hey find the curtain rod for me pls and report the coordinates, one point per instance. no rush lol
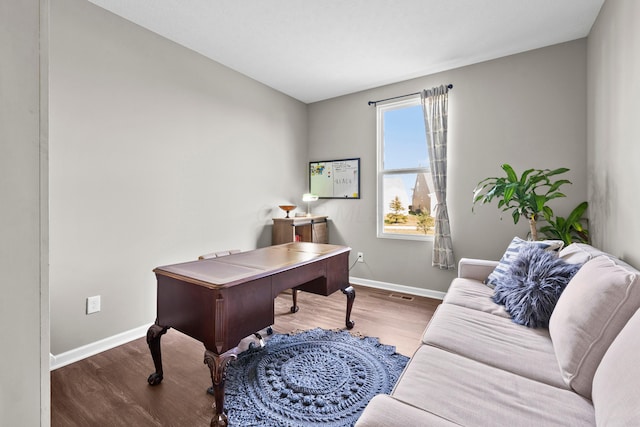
(449, 86)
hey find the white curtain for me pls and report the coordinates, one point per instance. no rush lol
(434, 105)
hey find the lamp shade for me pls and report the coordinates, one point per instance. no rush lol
(309, 197)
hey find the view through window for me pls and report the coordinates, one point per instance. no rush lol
(405, 188)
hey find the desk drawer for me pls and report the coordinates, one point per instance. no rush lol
(299, 275)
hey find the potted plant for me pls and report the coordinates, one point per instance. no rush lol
(525, 196)
(568, 230)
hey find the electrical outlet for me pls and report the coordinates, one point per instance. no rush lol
(93, 304)
(360, 257)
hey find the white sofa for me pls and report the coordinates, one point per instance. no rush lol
(476, 367)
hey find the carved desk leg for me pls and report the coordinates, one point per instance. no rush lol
(218, 366)
(351, 296)
(153, 340)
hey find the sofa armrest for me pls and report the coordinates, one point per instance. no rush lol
(477, 269)
(385, 411)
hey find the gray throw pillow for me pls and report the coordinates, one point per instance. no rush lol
(533, 283)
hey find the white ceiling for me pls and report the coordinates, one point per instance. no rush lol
(319, 49)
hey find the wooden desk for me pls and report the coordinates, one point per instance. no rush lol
(220, 301)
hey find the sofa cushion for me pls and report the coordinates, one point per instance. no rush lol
(590, 313)
(534, 281)
(616, 396)
(500, 272)
(468, 392)
(579, 253)
(473, 294)
(384, 410)
(495, 341)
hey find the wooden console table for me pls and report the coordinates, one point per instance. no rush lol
(301, 228)
(220, 301)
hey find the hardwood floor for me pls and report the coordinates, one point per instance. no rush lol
(110, 388)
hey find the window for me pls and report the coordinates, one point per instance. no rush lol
(405, 186)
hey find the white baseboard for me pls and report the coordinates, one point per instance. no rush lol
(398, 288)
(71, 356)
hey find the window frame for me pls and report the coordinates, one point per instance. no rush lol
(381, 108)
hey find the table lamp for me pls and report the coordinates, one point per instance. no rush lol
(309, 197)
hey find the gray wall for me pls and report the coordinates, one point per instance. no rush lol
(614, 129)
(497, 120)
(158, 155)
(24, 371)
(528, 110)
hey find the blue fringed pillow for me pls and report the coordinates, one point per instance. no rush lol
(533, 283)
(500, 272)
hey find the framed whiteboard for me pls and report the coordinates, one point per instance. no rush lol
(335, 179)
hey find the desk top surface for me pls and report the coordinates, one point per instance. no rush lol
(236, 268)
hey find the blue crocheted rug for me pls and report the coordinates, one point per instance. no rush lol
(312, 378)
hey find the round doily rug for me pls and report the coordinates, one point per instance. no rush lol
(312, 378)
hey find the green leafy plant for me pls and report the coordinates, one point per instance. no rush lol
(570, 229)
(525, 196)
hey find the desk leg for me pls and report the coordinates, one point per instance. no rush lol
(351, 296)
(154, 334)
(218, 366)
